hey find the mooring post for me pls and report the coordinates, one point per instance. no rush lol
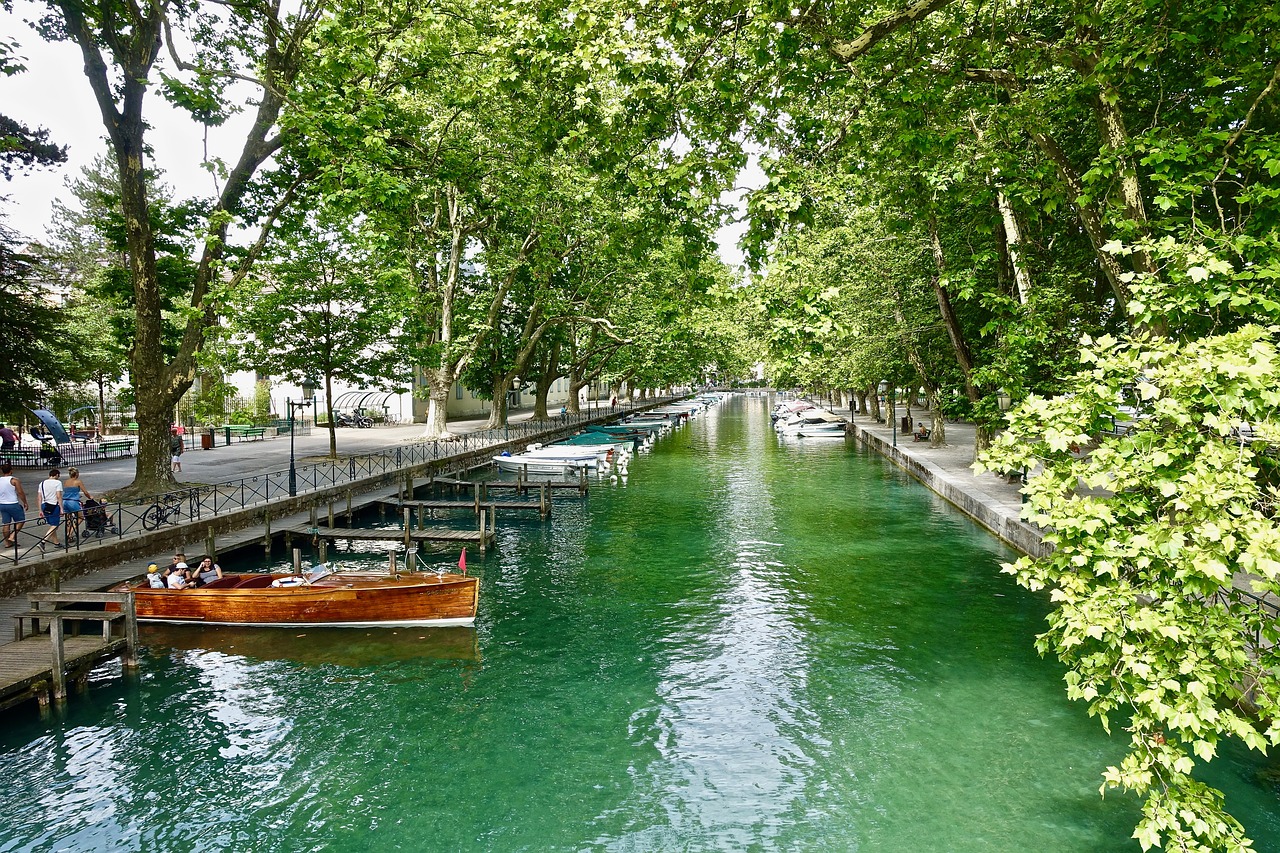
(391, 563)
(324, 550)
(348, 507)
(582, 481)
(297, 561)
(478, 510)
(481, 517)
(130, 633)
(330, 515)
(544, 505)
(408, 530)
(59, 660)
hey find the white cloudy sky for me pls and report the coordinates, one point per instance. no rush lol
(54, 94)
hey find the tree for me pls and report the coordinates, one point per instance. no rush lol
(328, 312)
(257, 45)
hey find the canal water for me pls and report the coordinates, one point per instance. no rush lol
(749, 645)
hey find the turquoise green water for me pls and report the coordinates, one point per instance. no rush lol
(748, 646)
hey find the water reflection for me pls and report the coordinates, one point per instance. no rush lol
(348, 647)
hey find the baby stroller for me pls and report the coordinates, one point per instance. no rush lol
(96, 521)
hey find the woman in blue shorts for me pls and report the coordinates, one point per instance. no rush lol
(73, 492)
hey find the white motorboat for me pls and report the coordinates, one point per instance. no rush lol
(523, 463)
(813, 422)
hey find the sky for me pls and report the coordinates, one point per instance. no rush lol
(54, 94)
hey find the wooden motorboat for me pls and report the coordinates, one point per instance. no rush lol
(354, 600)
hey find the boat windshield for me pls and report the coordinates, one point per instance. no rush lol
(318, 572)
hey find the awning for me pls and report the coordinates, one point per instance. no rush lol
(361, 400)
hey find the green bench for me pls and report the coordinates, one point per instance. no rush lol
(245, 432)
(114, 446)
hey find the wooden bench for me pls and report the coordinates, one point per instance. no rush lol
(29, 457)
(246, 433)
(117, 446)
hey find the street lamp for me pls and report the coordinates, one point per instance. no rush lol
(294, 405)
(1004, 400)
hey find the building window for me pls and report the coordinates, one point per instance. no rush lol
(457, 387)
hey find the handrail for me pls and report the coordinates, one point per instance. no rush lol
(121, 520)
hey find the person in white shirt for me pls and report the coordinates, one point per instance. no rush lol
(178, 578)
(154, 577)
(51, 506)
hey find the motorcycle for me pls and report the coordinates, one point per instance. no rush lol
(353, 419)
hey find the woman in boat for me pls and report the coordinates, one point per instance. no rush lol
(208, 571)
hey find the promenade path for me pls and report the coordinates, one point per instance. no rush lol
(222, 464)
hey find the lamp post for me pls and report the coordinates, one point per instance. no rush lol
(294, 405)
(1004, 400)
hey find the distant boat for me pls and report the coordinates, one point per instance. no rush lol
(813, 423)
(525, 463)
(319, 598)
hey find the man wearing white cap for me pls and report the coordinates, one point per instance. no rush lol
(178, 577)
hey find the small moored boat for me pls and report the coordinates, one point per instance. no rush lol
(318, 598)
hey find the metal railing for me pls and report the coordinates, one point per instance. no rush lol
(98, 523)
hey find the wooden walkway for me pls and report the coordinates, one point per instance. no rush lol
(407, 536)
(519, 486)
(40, 665)
(476, 507)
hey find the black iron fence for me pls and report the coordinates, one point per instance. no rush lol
(97, 523)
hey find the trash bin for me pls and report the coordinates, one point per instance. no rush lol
(206, 439)
(906, 423)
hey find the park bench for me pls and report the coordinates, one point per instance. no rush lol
(24, 456)
(245, 433)
(109, 447)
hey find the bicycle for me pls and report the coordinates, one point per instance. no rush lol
(160, 512)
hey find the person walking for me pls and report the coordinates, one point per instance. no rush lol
(13, 504)
(51, 506)
(175, 451)
(73, 492)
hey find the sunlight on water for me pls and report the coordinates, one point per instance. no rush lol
(750, 644)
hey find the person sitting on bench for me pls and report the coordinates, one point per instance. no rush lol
(921, 433)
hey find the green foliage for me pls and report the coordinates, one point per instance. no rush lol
(1158, 534)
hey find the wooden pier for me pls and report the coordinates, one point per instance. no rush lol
(519, 486)
(483, 537)
(38, 666)
(476, 506)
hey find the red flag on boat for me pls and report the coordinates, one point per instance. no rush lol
(462, 561)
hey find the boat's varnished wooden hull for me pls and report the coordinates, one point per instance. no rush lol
(353, 601)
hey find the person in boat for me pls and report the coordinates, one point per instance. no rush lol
(178, 577)
(208, 571)
(179, 557)
(154, 579)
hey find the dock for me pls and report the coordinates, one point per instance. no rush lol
(474, 506)
(520, 486)
(39, 666)
(483, 537)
